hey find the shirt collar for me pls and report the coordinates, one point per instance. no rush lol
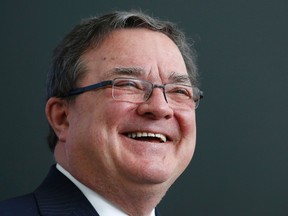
(100, 204)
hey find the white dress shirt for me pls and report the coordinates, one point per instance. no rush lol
(101, 205)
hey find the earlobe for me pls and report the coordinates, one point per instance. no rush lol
(56, 113)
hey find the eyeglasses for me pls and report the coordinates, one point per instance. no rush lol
(138, 91)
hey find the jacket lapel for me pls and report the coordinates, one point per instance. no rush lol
(57, 195)
(157, 213)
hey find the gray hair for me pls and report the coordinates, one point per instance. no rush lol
(67, 68)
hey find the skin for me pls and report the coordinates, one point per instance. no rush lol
(93, 145)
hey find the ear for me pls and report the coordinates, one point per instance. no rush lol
(56, 113)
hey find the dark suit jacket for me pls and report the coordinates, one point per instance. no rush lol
(57, 195)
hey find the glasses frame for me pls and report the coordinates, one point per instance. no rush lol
(106, 83)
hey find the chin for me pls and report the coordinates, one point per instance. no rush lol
(154, 174)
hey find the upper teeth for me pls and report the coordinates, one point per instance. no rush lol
(147, 134)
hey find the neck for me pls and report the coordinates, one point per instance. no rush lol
(134, 200)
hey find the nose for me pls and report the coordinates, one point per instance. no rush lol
(156, 107)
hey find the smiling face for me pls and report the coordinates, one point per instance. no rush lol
(126, 143)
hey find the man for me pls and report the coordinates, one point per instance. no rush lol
(121, 98)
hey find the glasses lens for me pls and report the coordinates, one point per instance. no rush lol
(138, 91)
(179, 95)
(131, 90)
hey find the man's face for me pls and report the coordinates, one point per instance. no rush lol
(98, 146)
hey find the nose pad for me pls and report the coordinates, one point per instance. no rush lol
(157, 86)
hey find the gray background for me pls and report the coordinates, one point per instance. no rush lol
(241, 161)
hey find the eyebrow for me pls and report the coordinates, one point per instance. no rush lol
(138, 71)
(130, 71)
(180, 78)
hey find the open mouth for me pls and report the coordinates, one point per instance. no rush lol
(148, 136)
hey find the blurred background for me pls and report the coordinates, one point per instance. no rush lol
(240, 166)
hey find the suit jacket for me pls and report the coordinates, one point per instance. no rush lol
(57, 195)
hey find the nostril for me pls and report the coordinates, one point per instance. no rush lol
(155, 111)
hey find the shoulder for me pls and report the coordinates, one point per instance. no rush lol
(23, 205)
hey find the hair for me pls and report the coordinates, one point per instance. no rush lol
(67, 68)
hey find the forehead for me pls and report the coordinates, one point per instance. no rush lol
(152, 53)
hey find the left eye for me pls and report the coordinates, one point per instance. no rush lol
(127, 84)
(179, 91)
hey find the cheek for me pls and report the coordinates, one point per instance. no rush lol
(187, 123)
(102, 126)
